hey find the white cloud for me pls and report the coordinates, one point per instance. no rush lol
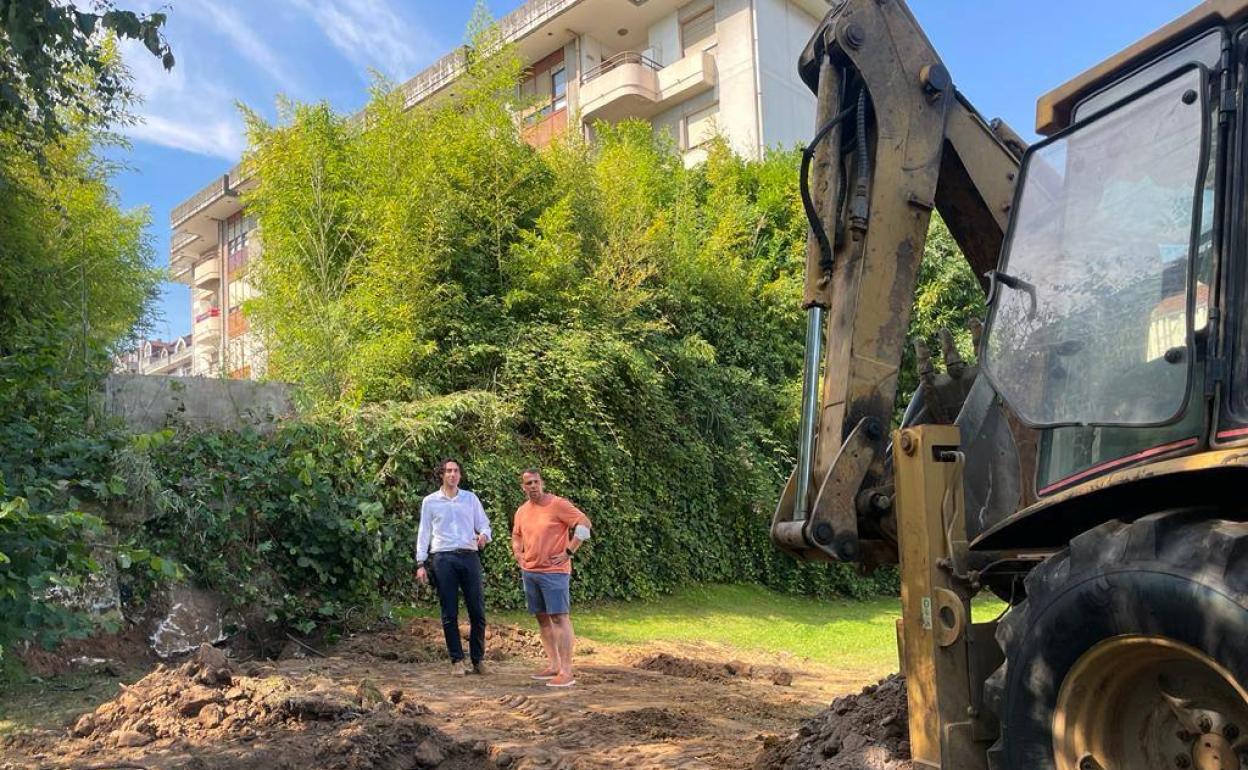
(243, 39)
(180, 110)
(371, 34)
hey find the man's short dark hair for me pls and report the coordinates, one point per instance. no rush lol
(533, 470)
(441, 467)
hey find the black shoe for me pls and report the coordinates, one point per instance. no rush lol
(479, 667)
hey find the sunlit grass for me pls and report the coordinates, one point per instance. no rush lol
(855, 636)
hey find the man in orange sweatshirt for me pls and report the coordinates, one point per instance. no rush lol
(546, 531)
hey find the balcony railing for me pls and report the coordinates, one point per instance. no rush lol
(432, 79)
(212, 312)
(223, 186)
(207, 272)
(620, 59)
(181, 241)
(530, 16)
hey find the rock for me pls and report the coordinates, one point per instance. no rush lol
(131, 738)
(211, 715)
(84, 726)
(831, 747)
(737, 668)
(211, 657)
(195, 617)
(194, 700)
(394, 695)
(782, 678)
(429, 754)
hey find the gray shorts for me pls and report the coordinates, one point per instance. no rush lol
(547, 593)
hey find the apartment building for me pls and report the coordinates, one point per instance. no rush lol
(693, 68)
(158, 357)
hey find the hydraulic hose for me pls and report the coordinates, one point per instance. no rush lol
(803, 181)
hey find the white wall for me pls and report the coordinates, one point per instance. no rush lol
(788, 106)
(665, 39)
(669, 121)
(737, 88)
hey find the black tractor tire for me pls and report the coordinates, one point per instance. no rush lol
(1180, 575)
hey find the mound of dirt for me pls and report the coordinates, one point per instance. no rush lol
(709, 671)
(867, 731)
(651, 722)
(421, 641)
(209, 703)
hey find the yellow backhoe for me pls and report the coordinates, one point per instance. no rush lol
(1091, 468)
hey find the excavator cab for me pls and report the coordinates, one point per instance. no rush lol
(1102, 296)
(1088, 468)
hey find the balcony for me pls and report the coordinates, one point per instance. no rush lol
(631, 85)
(208, 274)
(207, 325)
(195, 220)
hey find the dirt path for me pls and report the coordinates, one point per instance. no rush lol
(387, 700)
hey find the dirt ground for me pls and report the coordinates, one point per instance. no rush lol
(386, 700)
(866, 731)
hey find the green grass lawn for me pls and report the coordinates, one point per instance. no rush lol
(840, 633)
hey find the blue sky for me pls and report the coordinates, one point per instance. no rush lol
(1002, 54)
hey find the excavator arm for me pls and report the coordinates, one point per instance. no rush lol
(894, 141)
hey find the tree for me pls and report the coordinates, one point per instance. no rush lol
(56, 71)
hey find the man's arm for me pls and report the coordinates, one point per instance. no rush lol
(580, 525)
(517, 540)
(424, 534)
(481, 523)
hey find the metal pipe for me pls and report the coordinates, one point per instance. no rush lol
(810, 407)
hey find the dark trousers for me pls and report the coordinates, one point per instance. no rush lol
(455, 570)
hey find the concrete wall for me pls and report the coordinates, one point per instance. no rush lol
(737, 88)
(148, 403)
(788, 106)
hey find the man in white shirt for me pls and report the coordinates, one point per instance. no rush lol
(453, 530)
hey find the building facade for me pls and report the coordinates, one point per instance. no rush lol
(174, 358)
(693, 68)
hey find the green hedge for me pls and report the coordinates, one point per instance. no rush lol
(316, 523)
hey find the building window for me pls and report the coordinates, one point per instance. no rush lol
(236, 229)
(697, 27)
(700, 126)
(559, 88)
(545, 88)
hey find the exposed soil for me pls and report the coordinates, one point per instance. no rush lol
(867, 731)
(125, 650)
(710, 671)
(387, 700)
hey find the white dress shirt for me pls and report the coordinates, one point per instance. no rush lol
(450, 523)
